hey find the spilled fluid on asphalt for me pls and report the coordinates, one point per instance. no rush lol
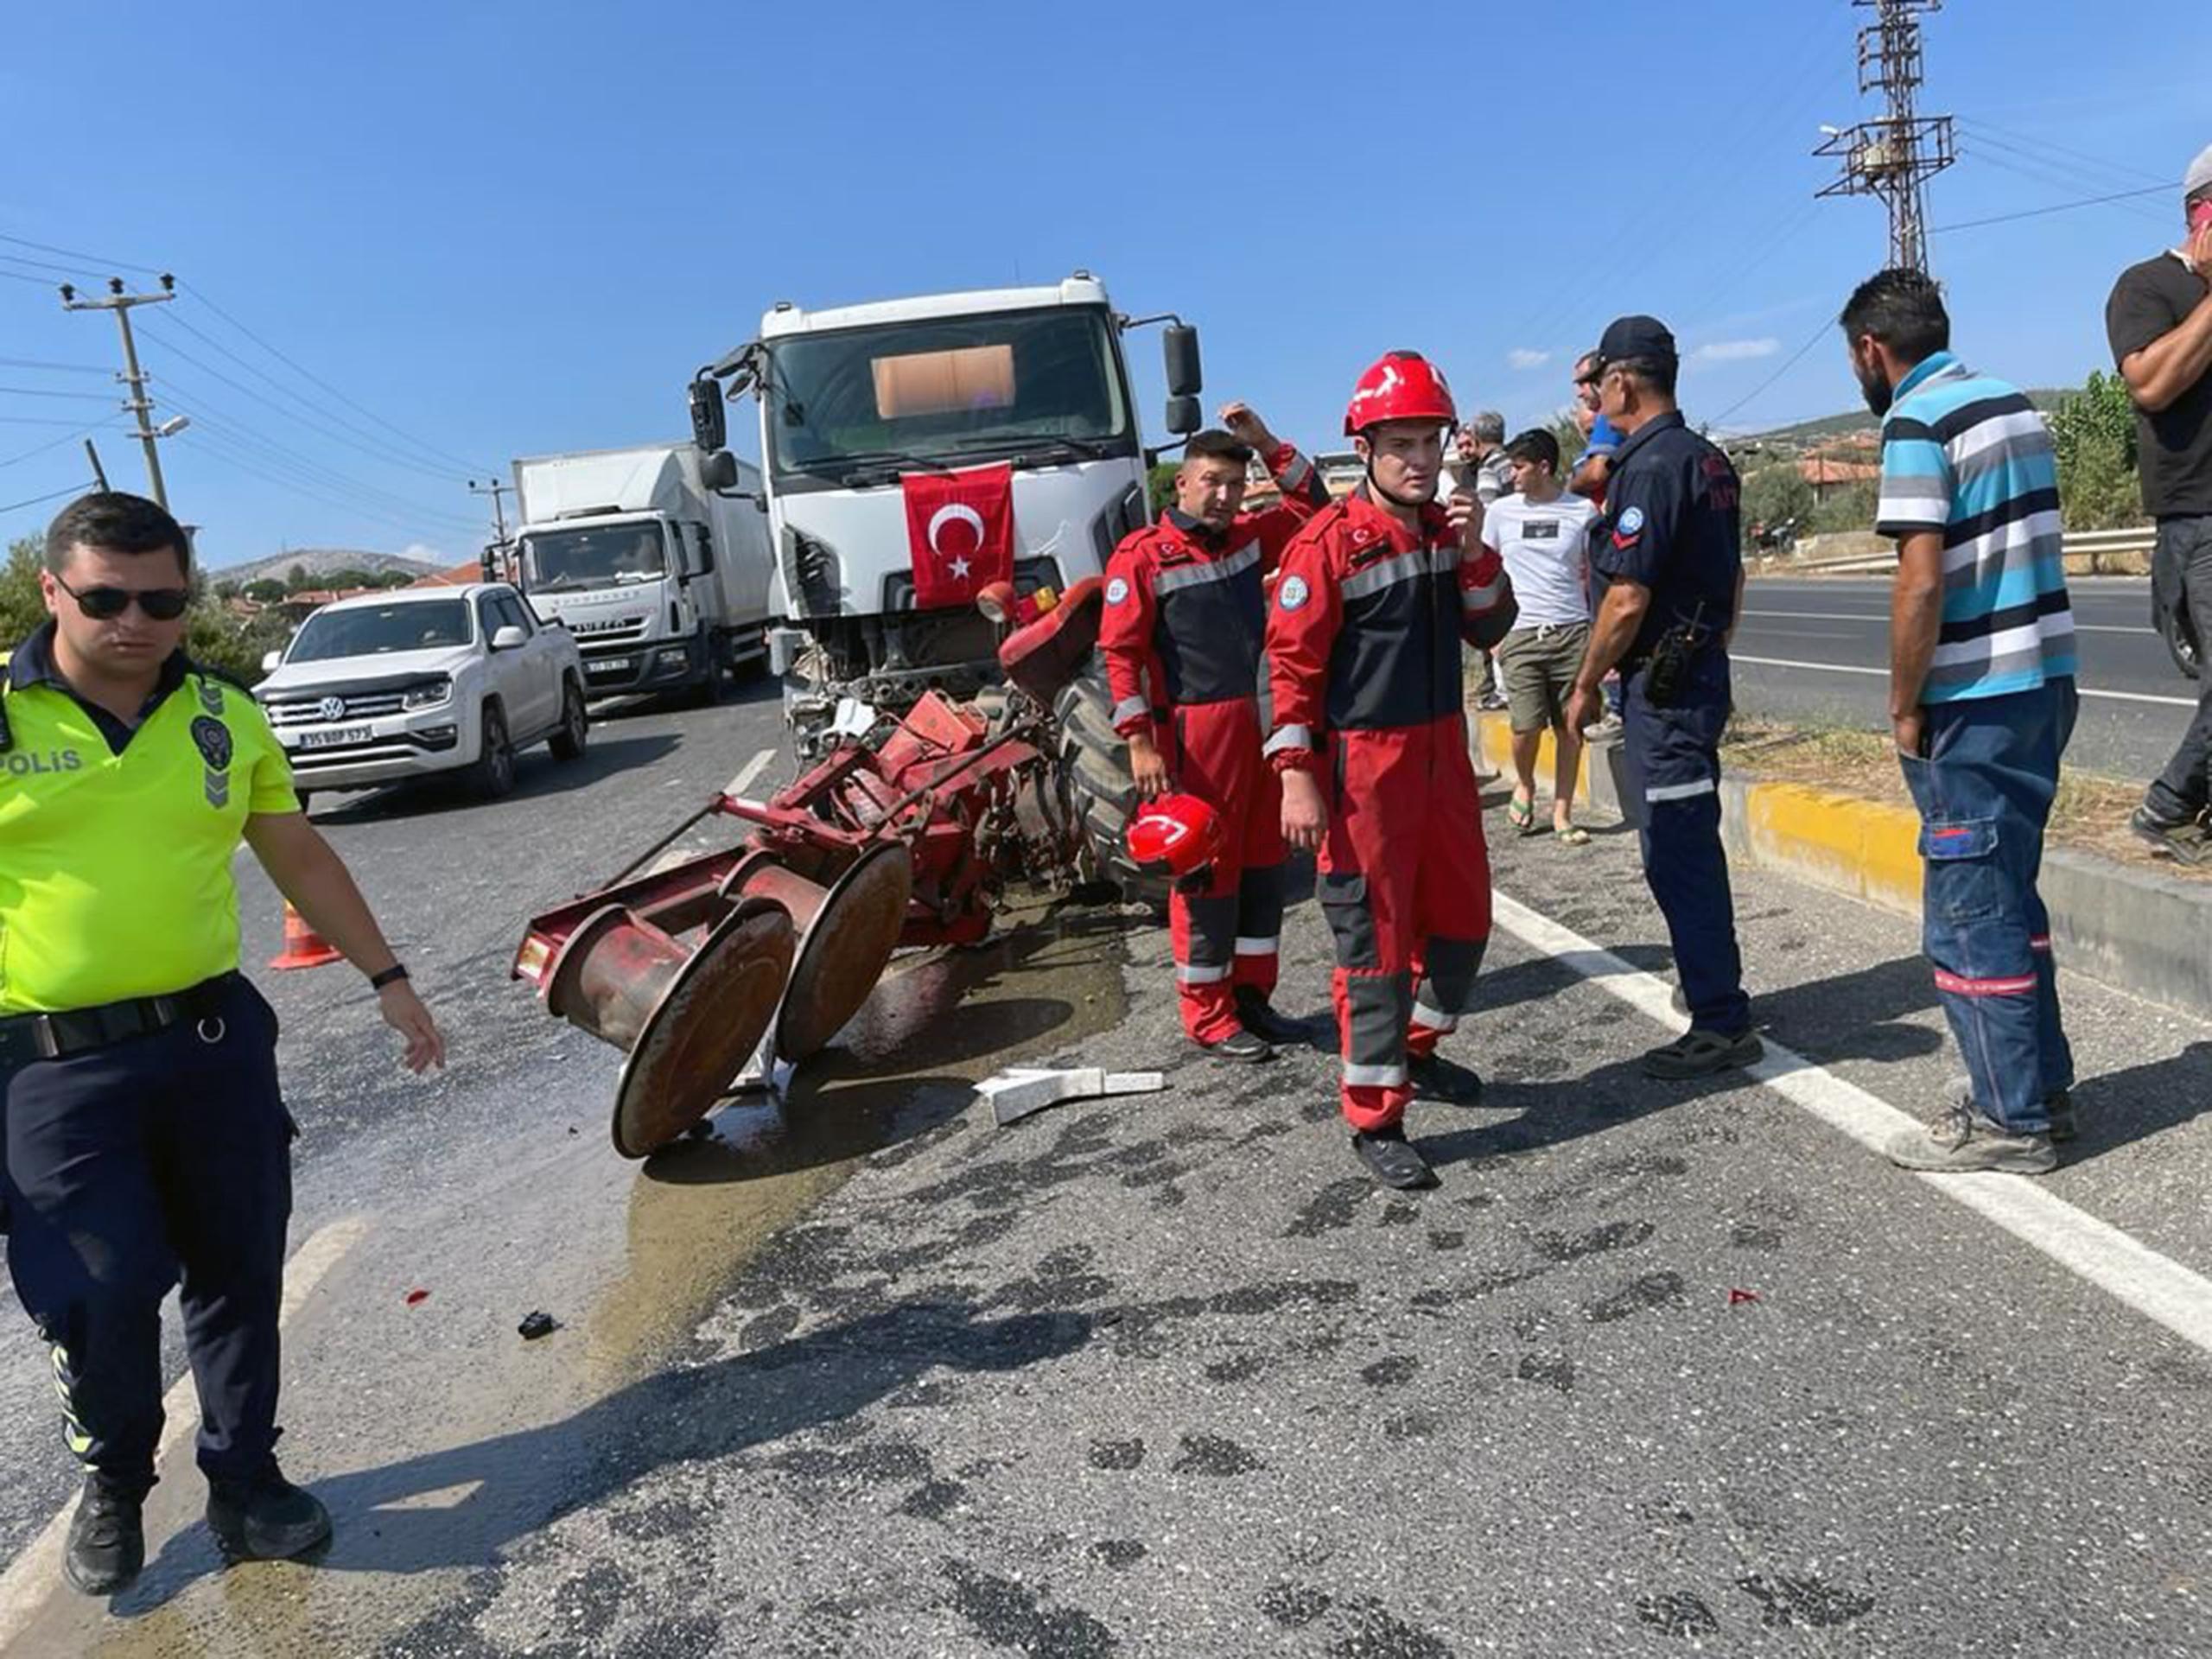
(496, 1460)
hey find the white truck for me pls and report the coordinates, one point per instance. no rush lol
(856, 399)
(662, 580)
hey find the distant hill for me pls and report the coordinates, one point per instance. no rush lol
(1805, 433)
(321, 561)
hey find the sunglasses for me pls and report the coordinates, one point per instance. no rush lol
(104, 604)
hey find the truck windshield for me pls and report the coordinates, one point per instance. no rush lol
(945, 389)
(377, 630)
(598, 556)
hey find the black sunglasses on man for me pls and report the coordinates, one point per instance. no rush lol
(104, 604)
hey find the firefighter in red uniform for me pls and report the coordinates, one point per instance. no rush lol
(1185, 618)
(1375, 597)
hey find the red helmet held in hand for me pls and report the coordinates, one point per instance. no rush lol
(1400, 386)
(1176, 835)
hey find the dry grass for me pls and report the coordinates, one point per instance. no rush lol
(2090, 815)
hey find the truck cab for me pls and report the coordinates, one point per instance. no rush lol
(856, 399)
(663, 584)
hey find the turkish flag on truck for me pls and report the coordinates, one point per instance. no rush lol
(960, 532)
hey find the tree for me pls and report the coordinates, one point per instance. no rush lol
(1160, 484)
(1571, 441)
(2094, 431)
(265, 590)
(295, 578)
(1776, 495)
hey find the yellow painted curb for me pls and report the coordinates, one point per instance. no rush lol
(1868, 847)
(1494, 740)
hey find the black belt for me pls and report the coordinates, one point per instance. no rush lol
(72, 1031)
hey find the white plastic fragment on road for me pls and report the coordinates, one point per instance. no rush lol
(1019, 1090)
(2153, 1285)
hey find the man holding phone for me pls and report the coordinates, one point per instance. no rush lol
(2159, 319)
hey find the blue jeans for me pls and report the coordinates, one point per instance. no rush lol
(1984, 791)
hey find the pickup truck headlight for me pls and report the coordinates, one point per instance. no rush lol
(429, 694)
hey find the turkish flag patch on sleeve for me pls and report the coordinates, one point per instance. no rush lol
(960, 532)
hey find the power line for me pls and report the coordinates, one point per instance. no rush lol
(2125, 168)
(58, 368)
(39, 392)
(2041, 172)
(365, 440)
(82, 432)
(269, 453)
(335, 435)
(67, 489)
(2055, 207)
(1795, 357)
(72, 253)
(415, 525)
(469, 466)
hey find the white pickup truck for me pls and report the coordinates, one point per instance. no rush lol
(422, 681)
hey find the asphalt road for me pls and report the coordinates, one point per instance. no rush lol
(1818, 650)
(1656, 1370)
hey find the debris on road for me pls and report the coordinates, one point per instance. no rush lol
(1019, 1090)
(417, 1298)
(535, 1323)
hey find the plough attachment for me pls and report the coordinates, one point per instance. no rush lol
(905, 836)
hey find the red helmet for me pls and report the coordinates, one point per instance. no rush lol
(1400, 386)
(1176, 835)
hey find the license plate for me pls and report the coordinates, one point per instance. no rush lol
(612, 665)
(336, 737)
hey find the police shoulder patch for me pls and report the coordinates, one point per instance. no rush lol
(1118, 590)
(1294, 593)
(212, 738)
(1632, 522)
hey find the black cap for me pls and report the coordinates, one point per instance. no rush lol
(1645, 337)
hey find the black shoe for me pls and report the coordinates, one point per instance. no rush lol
(2185, 842)
(1258, 1016)
(1699, 1053)
(1242, 1046)
(267, 1519)
(1435, 1078)
(2065, 1125)
(1395, 1160)
(107, 1539)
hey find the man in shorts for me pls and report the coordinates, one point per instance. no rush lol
(1543, 533)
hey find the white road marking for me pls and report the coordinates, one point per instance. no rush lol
(2153, 1285)
(1852, 668)
(32, 1577)
(745, 773)
(1881, 618)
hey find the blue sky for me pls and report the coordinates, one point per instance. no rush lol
(495, 230)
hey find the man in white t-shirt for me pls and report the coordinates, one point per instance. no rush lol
(1543, 535)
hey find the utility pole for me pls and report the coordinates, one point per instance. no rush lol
(495, 489)
(99, 473)
(139, 404)
(1895, 155)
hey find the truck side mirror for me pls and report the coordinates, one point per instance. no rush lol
(1178, 344)
(709, 428)
(719, 470)
(1184, 416)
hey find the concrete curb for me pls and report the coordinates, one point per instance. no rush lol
(2137, 930)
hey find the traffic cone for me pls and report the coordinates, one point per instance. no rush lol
(304, 946)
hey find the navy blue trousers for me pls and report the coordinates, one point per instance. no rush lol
(1673, 760)
(158, 1161)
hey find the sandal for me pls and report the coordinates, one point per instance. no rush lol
(1521, 814)
(1571, 835)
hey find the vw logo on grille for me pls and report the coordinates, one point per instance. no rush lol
(332, 709)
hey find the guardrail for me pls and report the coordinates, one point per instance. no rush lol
(2097, 546)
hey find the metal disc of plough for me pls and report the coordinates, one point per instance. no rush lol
(687, 1019)
(847, 931)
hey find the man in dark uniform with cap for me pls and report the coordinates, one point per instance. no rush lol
(1670, 558)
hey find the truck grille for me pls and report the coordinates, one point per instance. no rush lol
(313, 711)
(608, 630)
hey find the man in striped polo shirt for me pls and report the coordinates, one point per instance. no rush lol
(1981, 704)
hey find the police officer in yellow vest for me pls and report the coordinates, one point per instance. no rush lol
(146, 1145)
